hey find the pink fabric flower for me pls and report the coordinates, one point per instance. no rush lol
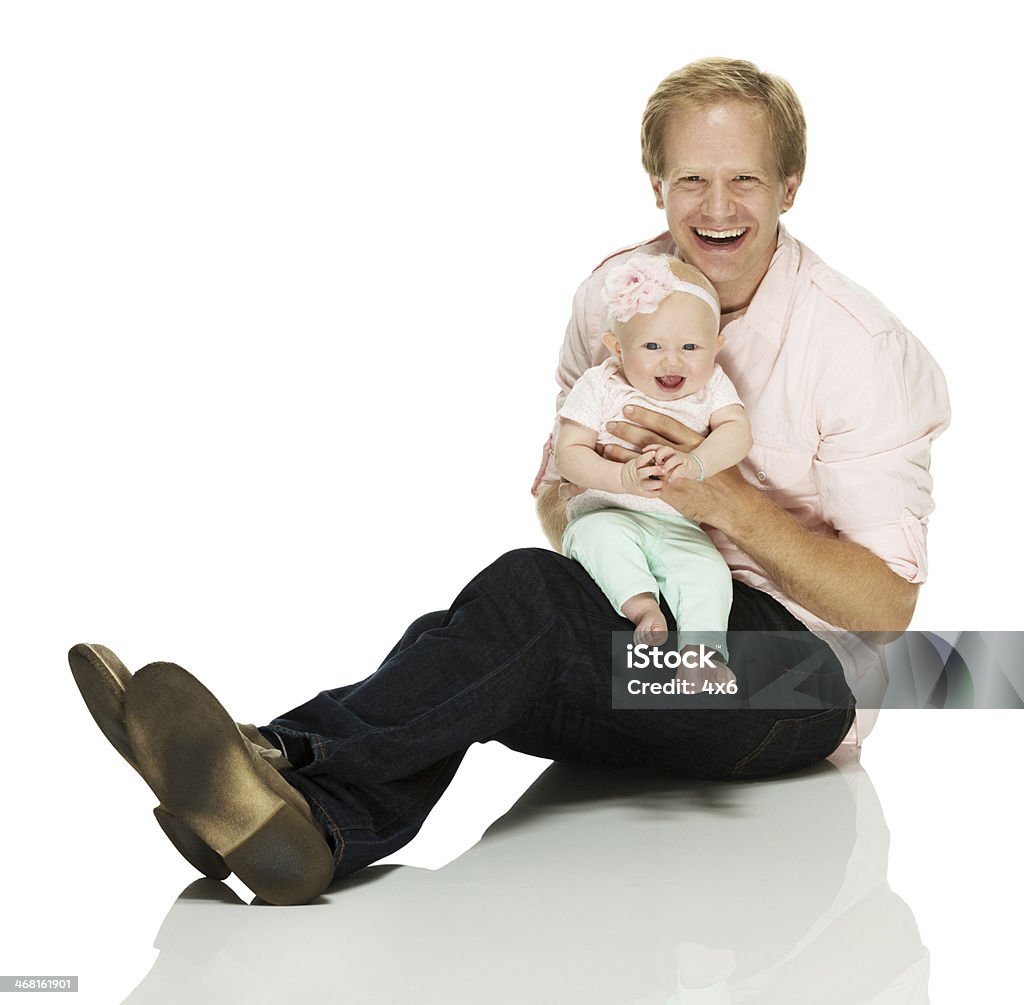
(637, 287)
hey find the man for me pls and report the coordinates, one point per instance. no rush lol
(724, 146)
(823, 528)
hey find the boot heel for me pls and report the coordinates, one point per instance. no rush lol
(284, 861)
(216, 790)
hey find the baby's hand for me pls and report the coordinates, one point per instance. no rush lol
(640, 476)
(674, 464)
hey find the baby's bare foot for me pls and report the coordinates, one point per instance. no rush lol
(644, 612)
(705, 669)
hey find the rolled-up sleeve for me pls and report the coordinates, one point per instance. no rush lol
(878, 411)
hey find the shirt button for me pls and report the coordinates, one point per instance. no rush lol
(761, 476)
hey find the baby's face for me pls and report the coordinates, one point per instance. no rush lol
(671, 353)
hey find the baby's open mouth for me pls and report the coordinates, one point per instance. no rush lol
(670, 383)
(719, 237)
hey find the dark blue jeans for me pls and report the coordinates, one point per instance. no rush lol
(523, 657)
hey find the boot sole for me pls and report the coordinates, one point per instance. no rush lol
(189, 751)
(103, 679)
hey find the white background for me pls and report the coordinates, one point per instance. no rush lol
(283, 287)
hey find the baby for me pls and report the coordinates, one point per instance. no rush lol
(664, 318)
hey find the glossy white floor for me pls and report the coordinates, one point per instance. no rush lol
(891, 880)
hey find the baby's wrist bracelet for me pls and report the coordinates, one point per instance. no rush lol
(700, 464)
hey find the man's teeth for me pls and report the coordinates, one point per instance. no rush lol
(721, 234)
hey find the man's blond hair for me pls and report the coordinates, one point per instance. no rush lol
(713, 81)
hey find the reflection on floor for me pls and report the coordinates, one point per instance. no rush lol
(595, 887)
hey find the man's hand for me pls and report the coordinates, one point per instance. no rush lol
(714, 502)
(696, 678)
(647, 427)
(567, 491)
(551, 511)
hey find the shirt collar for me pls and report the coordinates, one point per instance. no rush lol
(771, 304)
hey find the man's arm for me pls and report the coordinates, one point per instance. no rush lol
(551, 512)
(575, 358)
(840, 582)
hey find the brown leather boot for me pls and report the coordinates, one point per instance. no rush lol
(102, 678)
(209, 777)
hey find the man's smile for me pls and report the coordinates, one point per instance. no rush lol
(717, 238)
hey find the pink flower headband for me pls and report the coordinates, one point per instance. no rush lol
(639, 286)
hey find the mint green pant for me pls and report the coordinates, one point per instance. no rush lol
(627, 553)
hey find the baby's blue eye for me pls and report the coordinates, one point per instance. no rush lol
(690, 345)
(651, 345)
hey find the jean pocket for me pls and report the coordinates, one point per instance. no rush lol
(796, 743)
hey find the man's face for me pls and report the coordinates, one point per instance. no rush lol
(723, 196)
(669, 354)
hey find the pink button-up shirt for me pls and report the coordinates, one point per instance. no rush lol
(844, 403)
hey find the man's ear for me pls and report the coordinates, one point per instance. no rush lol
(612, 344)
(656, 185)
(792, 183)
